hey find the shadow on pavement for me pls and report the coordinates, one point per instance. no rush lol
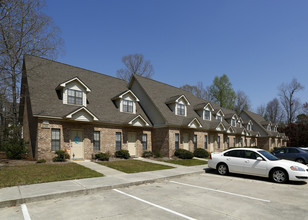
(243, 176)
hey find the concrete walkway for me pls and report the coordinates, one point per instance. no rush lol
(197, 158)
(99, 168)
(157, 162)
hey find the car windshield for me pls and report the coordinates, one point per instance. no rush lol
(268, 155)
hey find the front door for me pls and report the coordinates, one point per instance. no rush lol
(211, 143)
(131, 142)
(185, 141)
(77, 150)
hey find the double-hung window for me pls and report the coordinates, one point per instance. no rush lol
(180, 109)
(205, 141)
(228, 142)
(144, 141)
(118, 140)
(218, 142)
(96, 140)
(55, 139)
(207, 115)
(177, 137)
(74, 97)
(128, 106)
(218, 117)
(233, 123)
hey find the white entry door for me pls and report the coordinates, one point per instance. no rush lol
(131, 143)
(186, 141)
(77, 150)
(211, 143)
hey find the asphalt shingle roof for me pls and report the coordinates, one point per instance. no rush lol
(45, 75)
(161, 93)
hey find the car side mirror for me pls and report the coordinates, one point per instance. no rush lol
(259, 158)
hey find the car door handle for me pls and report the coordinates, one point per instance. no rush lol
(246, 161)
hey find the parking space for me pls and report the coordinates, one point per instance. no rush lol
(205, 196)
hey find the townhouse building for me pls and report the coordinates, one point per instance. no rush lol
(84, 112)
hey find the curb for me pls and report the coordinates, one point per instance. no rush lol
(85, 191)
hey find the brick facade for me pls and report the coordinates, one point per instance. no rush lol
(107, 138)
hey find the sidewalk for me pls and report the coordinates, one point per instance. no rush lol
(16, 195)
(99, 168)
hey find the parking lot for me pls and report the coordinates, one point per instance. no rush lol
(203, 196)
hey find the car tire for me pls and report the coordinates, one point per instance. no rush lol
(300, 160)
(279, 176)
(222, 169)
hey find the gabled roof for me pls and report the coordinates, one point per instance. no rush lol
(176, 98)
(122, 94)
(70, 115)
(196, 121)
(160, 93)
(138, 117)
(203, 106)
(44, 76)
(63, 84)
(260, 121)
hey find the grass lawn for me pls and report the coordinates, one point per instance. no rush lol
(187, 162)
(41, 173)
(133, 166)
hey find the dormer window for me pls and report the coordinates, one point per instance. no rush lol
(181, 109)
(178, 104)
(73, 92)
(249, 127)
(239, 124)
(74, 97)
(233, 122)
(219, 115)
(268, 127)
(207, 115)
(128, 106)
(126, 102)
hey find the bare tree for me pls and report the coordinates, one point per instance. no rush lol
(197, 90)
(274, 111)
(289, 101)
(261, 110)
(242, 102)
(135, 64)
(305, 108)
(24, 29)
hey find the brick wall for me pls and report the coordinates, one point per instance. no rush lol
(107, 138)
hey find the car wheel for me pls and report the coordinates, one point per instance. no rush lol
(222, 169)
(299, 160)
(279, 176)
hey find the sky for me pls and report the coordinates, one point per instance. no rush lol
(258, 44)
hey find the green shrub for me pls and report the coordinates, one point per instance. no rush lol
(102, 156)
(183, 154)
(15, 149)
(61, 156)
(13, 145)
(41, 161)
(157, 154)
(122, 154)
(201, 153)
(147, 154)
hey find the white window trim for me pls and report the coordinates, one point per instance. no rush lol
(176, 109)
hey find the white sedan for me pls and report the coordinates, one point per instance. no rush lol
(257, 162)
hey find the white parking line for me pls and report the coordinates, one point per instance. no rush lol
(157, 206)
(220, 191)
(25, 212)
